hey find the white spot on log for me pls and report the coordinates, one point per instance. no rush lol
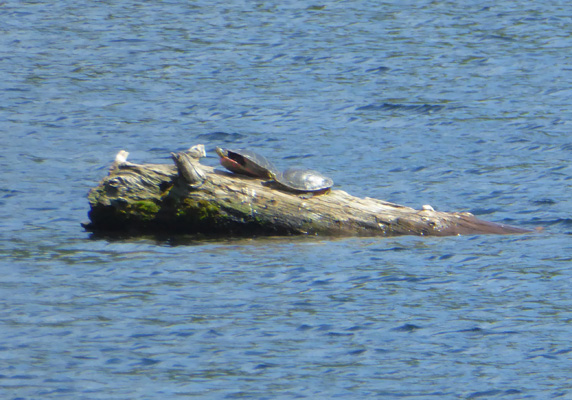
(197, 151)
(120, 161)
(427, 207)
(121, 157)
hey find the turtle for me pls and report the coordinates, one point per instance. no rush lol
(246, 162)
(303, 180)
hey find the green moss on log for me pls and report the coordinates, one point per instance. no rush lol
(143, 210)
(198, 212)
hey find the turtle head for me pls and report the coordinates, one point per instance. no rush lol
(221, 152)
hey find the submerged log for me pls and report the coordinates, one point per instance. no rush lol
(194, 198)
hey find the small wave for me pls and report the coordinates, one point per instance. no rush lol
(407, 108)
(566, 222)
(5, 193)
(493, 393)
(128, 40)
(544, 202)
(295, 157)
(377, 70)
(406, 328)
(221, 136)
(486, 331)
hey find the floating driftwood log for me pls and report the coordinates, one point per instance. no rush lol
(192, 198)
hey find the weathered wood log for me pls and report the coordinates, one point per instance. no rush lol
(193, 198)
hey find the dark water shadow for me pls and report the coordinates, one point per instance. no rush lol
(424, 109)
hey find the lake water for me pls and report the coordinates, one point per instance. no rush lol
(461, 105)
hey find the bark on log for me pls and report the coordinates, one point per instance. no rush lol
(193, 198)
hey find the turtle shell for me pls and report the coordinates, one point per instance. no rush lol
(246, 162)
(303, 180)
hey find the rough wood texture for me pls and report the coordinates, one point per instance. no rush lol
(159, 198)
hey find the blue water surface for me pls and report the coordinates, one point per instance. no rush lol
(461, 105)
